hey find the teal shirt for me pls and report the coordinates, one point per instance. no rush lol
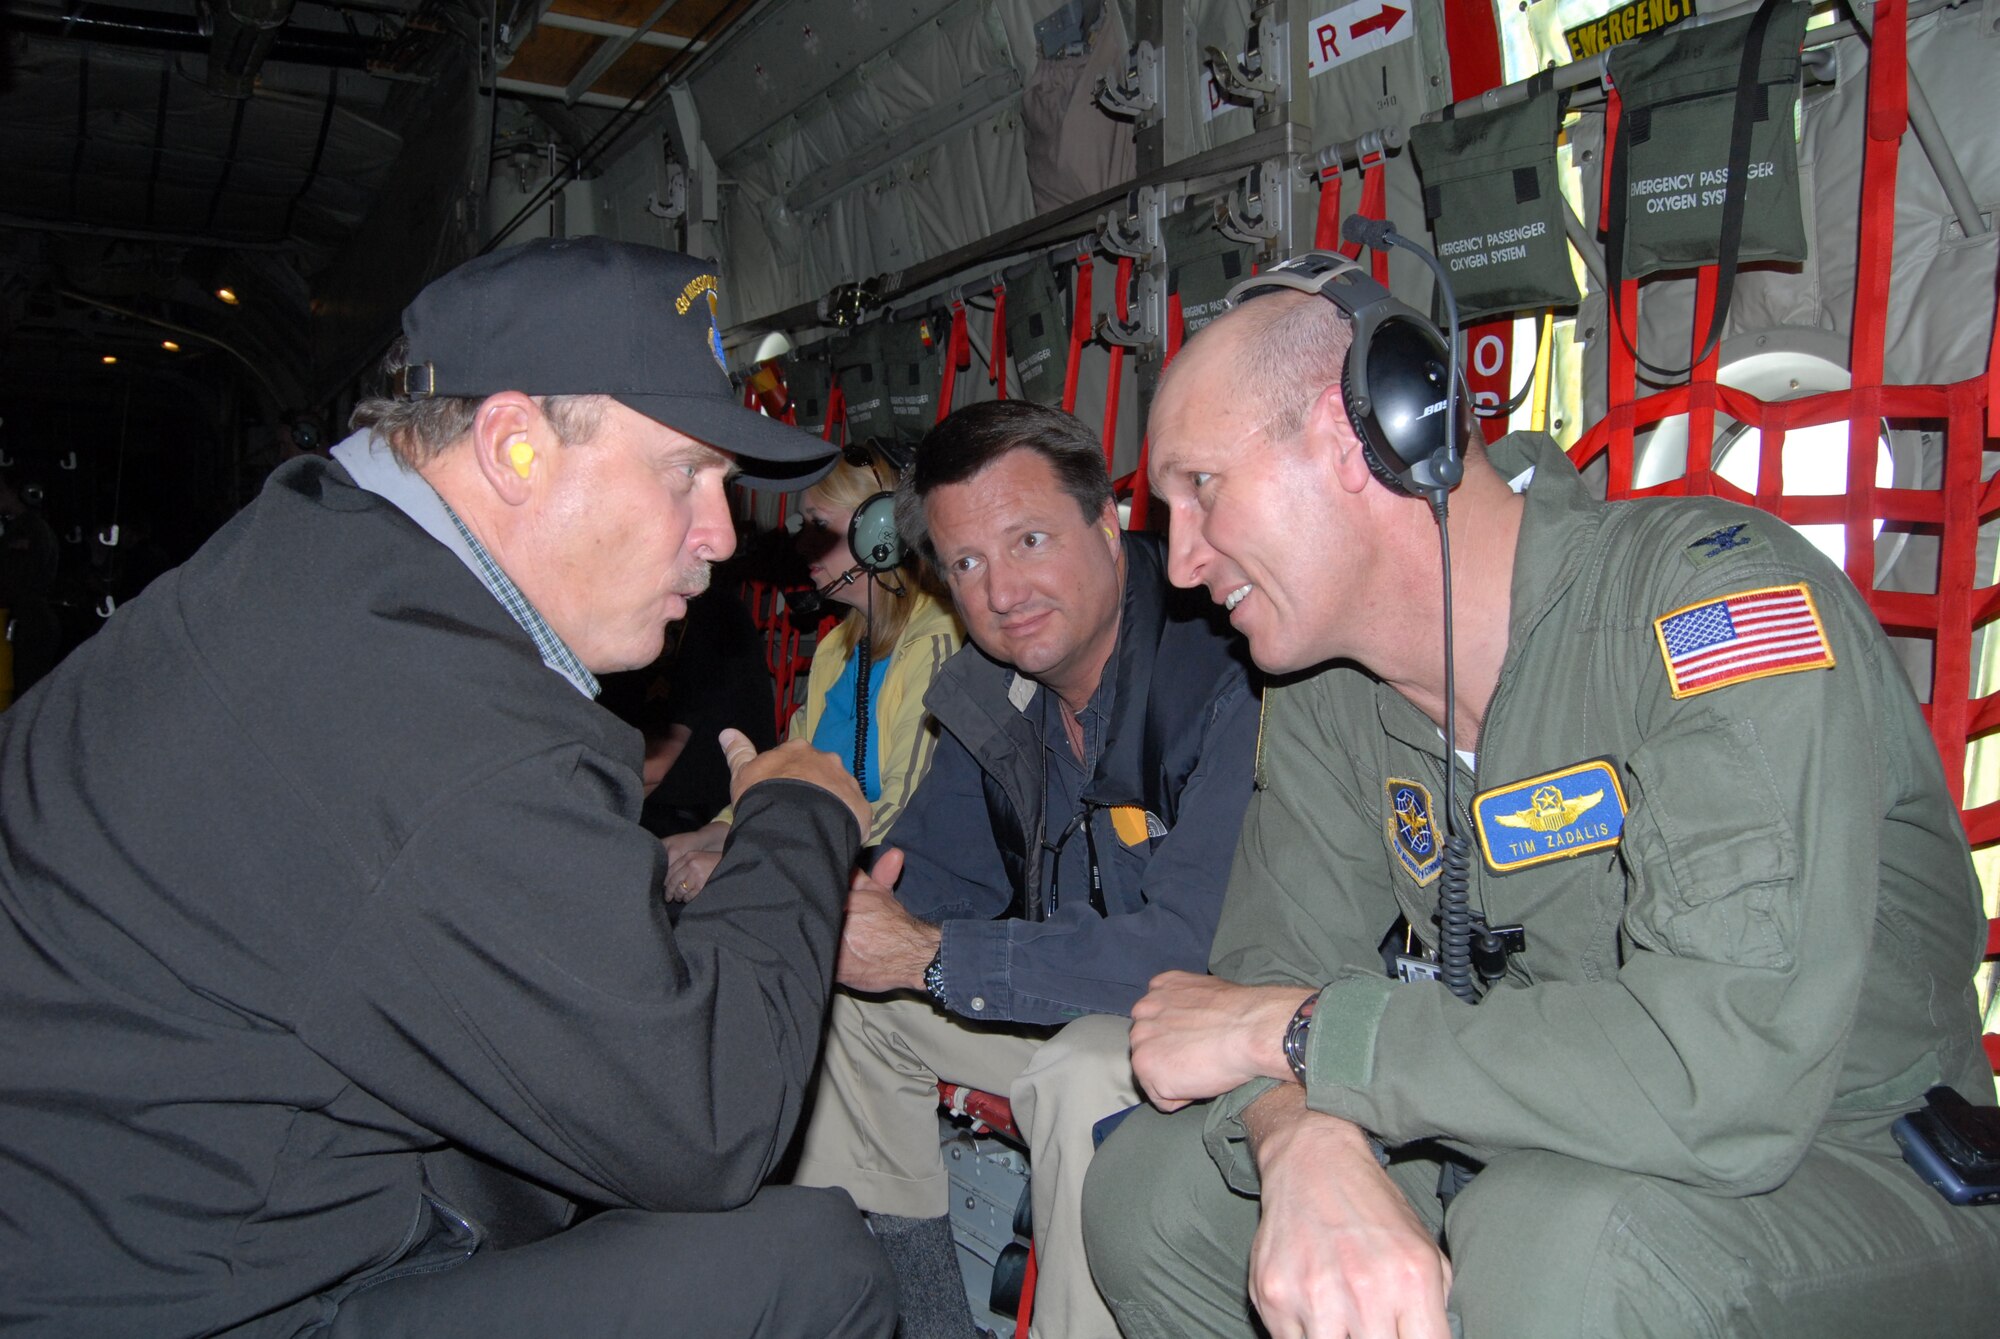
(836, 722)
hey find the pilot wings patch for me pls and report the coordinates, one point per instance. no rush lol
(1561, 813)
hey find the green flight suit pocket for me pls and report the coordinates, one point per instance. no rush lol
(1710, 851)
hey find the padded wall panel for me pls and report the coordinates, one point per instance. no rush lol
(915, 149)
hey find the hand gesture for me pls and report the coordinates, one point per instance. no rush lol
(882, 946)
(1197, 1036)
(794, 760)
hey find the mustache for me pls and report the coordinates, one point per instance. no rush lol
(694, 578)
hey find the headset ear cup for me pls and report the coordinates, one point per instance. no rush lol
(1361, 417)
(872, 536)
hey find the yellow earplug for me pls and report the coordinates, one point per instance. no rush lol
(523, 456)
(1107, 531)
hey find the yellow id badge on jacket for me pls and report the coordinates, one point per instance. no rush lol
(1134, 825)
(1561, 813)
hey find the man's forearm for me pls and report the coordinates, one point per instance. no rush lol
(1280, 1122)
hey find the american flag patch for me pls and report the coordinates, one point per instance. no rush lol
(1749, 635)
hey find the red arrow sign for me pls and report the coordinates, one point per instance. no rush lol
(1381, 23)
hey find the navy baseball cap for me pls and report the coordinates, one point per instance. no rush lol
(590, 316)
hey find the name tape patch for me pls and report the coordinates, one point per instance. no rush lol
(1750, 635)
(1550, 817)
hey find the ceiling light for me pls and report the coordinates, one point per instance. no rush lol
(228, 295)
(110, 358)
(170, 346)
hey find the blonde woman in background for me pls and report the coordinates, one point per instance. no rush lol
(865, 692)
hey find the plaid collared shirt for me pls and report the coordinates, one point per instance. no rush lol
(555, 654)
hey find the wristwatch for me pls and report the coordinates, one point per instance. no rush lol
(1297, 1033)
(934, 978)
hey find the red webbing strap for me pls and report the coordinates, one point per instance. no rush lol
(1770, 464)
(1141, 485)
(1888, 116)
(957, 354)
(1375, 205)
(836, 414)
(1080, 329)
(1326, 227)
(996, 358)
(1472, 40)
(1958, 574)
(1621, 358)
(1701, 386)
(1142, 489)
(1122, 299)
(1993, 378)
(1027, 1313)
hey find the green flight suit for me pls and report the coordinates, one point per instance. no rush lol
(1681, 1090)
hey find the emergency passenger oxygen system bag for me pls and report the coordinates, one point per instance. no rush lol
(1037, 334)
(1495, 206)
(857, 363)
(1706, 169)
(808, 384)
(913, 368)
(1203, 264)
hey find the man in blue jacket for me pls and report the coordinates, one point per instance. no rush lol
(335, 979)
(1071, 841)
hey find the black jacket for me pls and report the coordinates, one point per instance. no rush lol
(325, 923)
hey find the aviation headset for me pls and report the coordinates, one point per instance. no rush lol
(1396, 383)
(871, 534)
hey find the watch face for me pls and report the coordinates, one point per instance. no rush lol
(1297, 1033)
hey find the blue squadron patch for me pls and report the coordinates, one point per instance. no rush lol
(1561, 813)
(1716, 543)
(1411, 832)
(715, 333)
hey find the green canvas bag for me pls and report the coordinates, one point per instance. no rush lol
(1037, 334)
(1706, 168)
(913, 372)
(857, 362)
(1202, 264)
(1495, 206)
(808, 383)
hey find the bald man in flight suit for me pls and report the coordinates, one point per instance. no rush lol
(1699, 783)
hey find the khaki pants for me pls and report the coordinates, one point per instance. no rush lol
(1852, 1246)
(873, 1126)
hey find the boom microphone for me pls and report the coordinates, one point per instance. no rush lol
(811, 603)
(1368, 232)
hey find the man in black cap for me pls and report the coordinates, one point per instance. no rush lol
(336, 985)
